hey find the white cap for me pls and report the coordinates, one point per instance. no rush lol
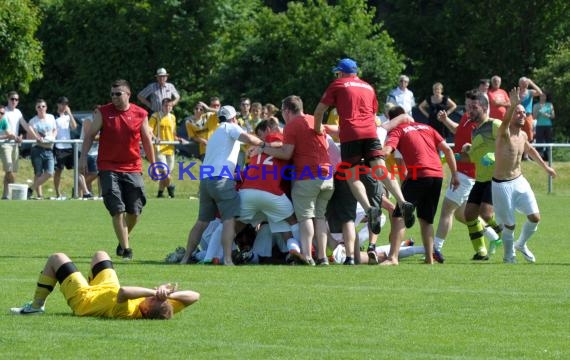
(161, 72)
(226, 113)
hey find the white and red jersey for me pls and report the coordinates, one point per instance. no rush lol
(264, 172)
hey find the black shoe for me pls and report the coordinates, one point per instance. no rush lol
(323, 262)
(348, 261)
(408, 213)
(170, 190)
(372, 256)
(160, 194)
(128, 254)
(478, 257)
(30, 193)
(373, 215)
(120, 250)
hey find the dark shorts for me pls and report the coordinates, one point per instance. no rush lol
(218, 195)
(42, 160)
(122, 192)
(481, 193)
(353, 152)
(63, 158)
(424, 194)
(342, 206)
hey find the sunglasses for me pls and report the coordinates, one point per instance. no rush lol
(14, 99)
(118, 93)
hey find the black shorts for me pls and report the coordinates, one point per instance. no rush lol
(63, 158)
(342, 205)
(122, 192)
(481, 193)
(424, 194)
(353, 152)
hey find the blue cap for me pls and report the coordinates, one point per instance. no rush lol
(346, 66)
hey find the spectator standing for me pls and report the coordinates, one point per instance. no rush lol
(123, 126)
(499, 101)
(11, 151)
(435, 103)
(218, 191)
(163, 128)
(42, 152)
(200, 127)
(152, 95)
(91, 170)
(245, 117)
(528, 90)
(63, 153)
(511, 191)
(402, 96)
(544, 113)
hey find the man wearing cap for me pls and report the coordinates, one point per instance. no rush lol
(217, 182)
(356, 104)
(152, 95)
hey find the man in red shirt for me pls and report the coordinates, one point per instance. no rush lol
(356, 104)
(123, 125)
(420, 145)
(312, 177)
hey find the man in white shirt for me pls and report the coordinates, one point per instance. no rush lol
(402, 96)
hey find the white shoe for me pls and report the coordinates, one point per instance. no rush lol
(524, 250)
(27, 309)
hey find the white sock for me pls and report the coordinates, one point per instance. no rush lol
(295, 231)
(418, 250)
(438, 243)
(508, 242)
(490, 234)
(528, 229)
(293, 244)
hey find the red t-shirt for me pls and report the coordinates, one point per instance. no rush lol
(418, 145)
(356, 105)
(463, 136)
(310, 157)
(119, 140)
(497, 112)
(264, 172)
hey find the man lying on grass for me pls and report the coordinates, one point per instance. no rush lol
(102, 295)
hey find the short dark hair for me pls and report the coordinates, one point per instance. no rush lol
(121, 83)
(293, 103)
(63, 100)
(395, 111)
(478, 96)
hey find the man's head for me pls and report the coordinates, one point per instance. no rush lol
(13, 99)
(120, 93)
(483, 85)
(346, 67)
(153, 308)
(395, 111)
(266, 127)
(62, 103)
(227, 113)
(215, 102)
(403, 82)
(161, 76)
(167, 105)
(291, 106)
(245, 106)
(477, 107)
(496, 82)
(41, 106)
(519, 117)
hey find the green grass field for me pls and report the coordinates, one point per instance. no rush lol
(456, 310)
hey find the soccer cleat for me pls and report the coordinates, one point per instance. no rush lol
(373, 215)
(438, 256)
(127, 254)
(27, 309)
(372, 256)
(170, 190)
(479, 257)
(493, 245)
(119, 250)
(87, 196)
(160, 194)
(408, 213)
(348, 261)
(525, 251)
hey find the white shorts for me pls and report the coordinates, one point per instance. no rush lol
(258, 205)
(460, 195)
(512, 195)
(167, 159)
(9, 154)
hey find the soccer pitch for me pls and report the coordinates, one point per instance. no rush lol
(460, 309)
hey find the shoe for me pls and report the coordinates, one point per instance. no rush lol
(438, 256)
(493, 245)
(170, 190)
(323, 262)
(127, 254)
(348, 261)
(299, 259)
(30, 193)
(373, 215)
(409, 242)
(408, 213)
(510, 260)
(478, 257)
(87, 196)
(27, 309)
(160, 194)
(525, 251)
(119, 250)
(372, 256)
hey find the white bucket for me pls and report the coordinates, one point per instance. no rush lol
(18, 191)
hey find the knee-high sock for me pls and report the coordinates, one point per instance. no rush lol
(476, 234)
(438, 243)
(44, 287)
(508, 242)
(498, 228)
(528, 229)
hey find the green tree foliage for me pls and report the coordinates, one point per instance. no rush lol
(555, 78)
(292, 52)
(20, 52)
